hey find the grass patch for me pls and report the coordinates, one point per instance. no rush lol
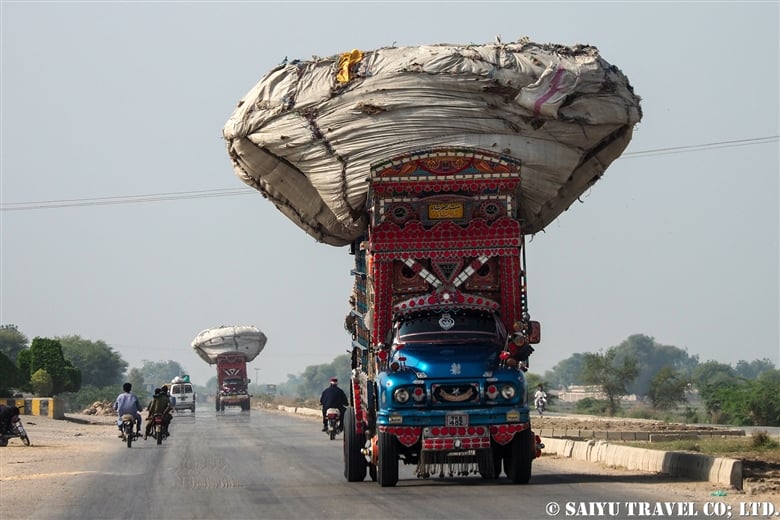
(757, 446)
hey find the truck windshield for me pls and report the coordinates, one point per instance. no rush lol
(449, 327)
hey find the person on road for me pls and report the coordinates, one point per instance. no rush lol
(127, 403)
(160, 404)
(7, 414)
(171, 398)
(333, 397)
(540, 397)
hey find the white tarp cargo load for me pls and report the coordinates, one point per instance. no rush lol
(246, 339)
(307, 134)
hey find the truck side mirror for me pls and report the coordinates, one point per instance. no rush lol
(534, 332)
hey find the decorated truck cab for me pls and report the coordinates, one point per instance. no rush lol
(440, 324)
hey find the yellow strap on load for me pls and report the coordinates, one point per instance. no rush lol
(346, 61)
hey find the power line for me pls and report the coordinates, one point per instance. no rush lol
(128, 199)
(232, 192)
(702, 147)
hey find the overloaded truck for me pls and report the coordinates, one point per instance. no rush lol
(230, 348)
(433, 164)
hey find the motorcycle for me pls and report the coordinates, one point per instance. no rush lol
(15, 430)
(541, 404)
(128, 429)
(159, 431)
(334, 422)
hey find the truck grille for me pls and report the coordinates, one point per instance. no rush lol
(457, 393)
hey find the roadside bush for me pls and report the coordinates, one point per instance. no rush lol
(592, 406)
(42, 383)
(761, 439)
(642, 412)
(75, 402)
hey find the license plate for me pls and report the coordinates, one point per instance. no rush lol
(456, 419)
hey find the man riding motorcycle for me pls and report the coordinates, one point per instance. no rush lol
(160, 404)
(333, 397)
(540, 398)
(7, 414)
(127, 403)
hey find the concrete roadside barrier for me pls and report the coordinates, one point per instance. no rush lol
(718, 470)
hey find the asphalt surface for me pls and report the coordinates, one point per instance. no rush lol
(269, 465)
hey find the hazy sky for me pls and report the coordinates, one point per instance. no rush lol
(117, 108)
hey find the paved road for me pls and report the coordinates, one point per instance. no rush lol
(268, 465)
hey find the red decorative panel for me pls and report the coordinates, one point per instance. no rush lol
(383, 297)
(486, 277)
(510, 289)
(406, 280)
(446, 239)
(503, 433)
(406, 435)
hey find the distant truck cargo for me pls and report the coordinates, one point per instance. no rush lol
(230, 348)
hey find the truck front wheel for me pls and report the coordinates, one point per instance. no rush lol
(354, 461)
(486, 462)
(387, 472)
(517, 462)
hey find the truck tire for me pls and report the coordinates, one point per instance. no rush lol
(387, 470)
(216, 404)
(486, 464)
(354, 461)
(517, 462)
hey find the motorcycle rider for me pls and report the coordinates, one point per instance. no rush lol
(7, 414)
(171, 398)
(333, 397)
(127, 403)
(540, 395)
(161, 404)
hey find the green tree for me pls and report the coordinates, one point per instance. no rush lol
(42, 383)
(47, 354)
(567, 372)
(610, 375)
(100, 364)
(12, 341)
(160, 373)
(23, 363)
(710, 378)
(763, 399)
(315, 378)
(651, 357)
(752, 369)
(667, 388)
(9, 375)
(136, 378)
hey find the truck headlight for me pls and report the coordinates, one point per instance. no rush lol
(508, 391)
(401, 395)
